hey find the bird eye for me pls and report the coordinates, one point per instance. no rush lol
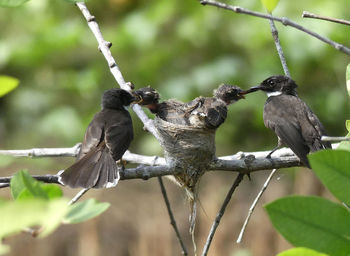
(271, 82)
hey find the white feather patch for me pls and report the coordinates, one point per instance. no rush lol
(59, 177)
(269, 94)
(114, 183)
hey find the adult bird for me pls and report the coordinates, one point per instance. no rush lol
(290, 118)
(202, 112)
(106, 139)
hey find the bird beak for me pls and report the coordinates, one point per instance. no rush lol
(241, 95)
(137, 99)
(251, 89)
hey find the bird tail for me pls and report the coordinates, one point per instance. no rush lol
(97, 169)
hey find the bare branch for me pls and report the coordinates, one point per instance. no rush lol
(104, 46)
(171, 215)
(78, 196)
(307, 14)
(279, 47)
(328, 138)
(43, 152)
(285, 21)
(252, 207)
(216, 222)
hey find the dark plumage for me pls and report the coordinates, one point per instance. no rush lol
(202, 112)
(107, 138)
(290, 118)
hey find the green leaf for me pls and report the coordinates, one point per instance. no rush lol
(7, 83)
(312, 222)
(18, 215)
(345, 145)
(52, 191)
(270, 5)
(85, 210)
(23, 186)
(348, 80)
(301, 251)
(75, 1)
(333, 169)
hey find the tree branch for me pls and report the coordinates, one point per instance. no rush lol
(244, 162)
(285, 21)
(104, 46)
(279, 48)
(307, 14)
(171, 216)
(255, 202)
(328, 138)
(217, 220)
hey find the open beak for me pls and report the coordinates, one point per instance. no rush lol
(137, 99)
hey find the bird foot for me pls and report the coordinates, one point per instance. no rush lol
(122, 164)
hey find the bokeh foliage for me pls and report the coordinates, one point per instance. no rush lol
(182, 49)
(179, 47)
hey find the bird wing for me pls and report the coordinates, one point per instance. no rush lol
(94, 134)
(284, 122)
(216, 113)
(118, 133)
(314, 131)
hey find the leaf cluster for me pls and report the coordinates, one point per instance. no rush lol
(40, 208)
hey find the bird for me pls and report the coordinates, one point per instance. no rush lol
(106, 139)
(202, 112)
(292, 120)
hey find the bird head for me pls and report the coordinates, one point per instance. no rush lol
(228, 93)
(117, 98)
(148, 96)
(275, 84)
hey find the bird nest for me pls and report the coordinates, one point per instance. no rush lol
(189, 149)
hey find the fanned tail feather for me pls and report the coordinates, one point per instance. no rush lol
(97, 169)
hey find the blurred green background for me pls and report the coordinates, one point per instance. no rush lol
(183, 50)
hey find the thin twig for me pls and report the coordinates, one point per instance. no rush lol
(172, 219)
(43, 152)
(221, 213)
(279, 47)
(285, 21)
(78, 196)
(328, 138)
(252, 207)
(307, 14)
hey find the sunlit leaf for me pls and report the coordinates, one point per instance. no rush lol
(52, 191)
(345, 145)
(85, 210)
(270, 5)
(348, 79)
(333, 169)
(301, 251)
(22, 182)
(312, 222)
(7, 83)
(18, 215)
